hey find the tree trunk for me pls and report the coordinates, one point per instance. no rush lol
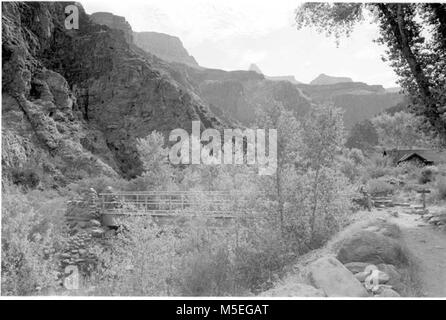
(399, 31)
(313, 211)
(279, 198)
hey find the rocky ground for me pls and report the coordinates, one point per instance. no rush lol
(428, 245)
(405, 252)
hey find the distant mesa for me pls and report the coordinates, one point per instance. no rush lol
(292, 79)
(324, 79)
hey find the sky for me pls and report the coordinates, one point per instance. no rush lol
(232, 34)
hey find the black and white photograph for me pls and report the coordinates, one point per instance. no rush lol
(245, 149)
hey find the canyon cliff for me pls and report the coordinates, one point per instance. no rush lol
(75, 101)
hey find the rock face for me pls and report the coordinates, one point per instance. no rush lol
(235, 96)
(114, 22)
(81, 98)
(291, 79)
(324, 79)
(164, 46)
(373, 248)
(359, 100)
(329, 275)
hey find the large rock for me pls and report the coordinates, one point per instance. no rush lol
(396, 279)
(329, 275)
(388, 293)
(355, 267)
(293, 289)
(373, 248)
(390, 270)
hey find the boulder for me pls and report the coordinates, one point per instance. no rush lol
(370, 247)
(395, 277)
(361, 276)
(390, 270)
(329, 275)
(355, 267)
(383, 277)
(293, 290)
(387, 292)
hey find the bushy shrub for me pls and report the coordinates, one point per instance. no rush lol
(380, 187)
(426, 175)
(379, 166)
(28, 178)
(194, 260)
(31, 236)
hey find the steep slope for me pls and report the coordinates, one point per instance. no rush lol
(237, 95)
(164, 46)
(292, 79)
(233, 96)
(114, 22)
(82, 97)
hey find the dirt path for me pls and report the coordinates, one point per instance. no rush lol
(428, 245)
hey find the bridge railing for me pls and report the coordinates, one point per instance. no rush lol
(165, 201)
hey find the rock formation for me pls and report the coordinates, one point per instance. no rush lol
(164, 46)
(323, 79)
(114, 22)
(359, 100)
(80, 98)
(255, 68)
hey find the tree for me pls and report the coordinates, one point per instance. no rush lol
(274, 116)
(418, 60)
(158, 172)
(323, 137)
(400, 130)
(362, 136)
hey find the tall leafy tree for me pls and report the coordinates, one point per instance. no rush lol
(323, 138)
(275, 116)
(400, 130)
(362, 136)
(415, 36)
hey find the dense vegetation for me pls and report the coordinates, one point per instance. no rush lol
(300, 208)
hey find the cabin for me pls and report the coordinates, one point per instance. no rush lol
(423, 157)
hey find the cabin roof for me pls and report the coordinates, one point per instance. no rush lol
(399, 155)
(414, 155)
